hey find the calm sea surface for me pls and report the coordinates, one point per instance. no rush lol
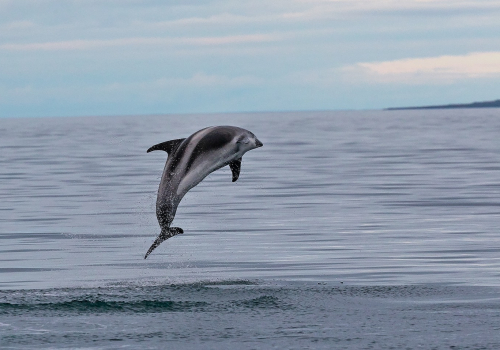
(348, 230)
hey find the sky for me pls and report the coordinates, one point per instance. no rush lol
(132, 57)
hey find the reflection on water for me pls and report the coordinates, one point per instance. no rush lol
(368, 198)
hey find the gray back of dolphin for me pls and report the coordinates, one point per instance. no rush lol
(189, 161)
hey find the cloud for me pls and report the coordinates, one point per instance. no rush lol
(18, 25)
(291, 53)
(441, 69)
(313, 10)
(153, 90)
(299, 11)
(198, 80)
(217, 19)
(140, 41)
(362, 5)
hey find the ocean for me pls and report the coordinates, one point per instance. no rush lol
(347, 230)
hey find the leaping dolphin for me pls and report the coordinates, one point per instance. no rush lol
(189, 161)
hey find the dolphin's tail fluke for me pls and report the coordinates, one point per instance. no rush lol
(164, 235)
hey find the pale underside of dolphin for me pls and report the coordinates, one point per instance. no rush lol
(189, 161)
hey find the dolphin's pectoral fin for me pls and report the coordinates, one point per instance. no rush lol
(164, 235)
(235, 166)
(167, 146)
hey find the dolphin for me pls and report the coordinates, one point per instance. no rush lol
(189, 161)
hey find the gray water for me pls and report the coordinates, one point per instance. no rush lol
(348, 230)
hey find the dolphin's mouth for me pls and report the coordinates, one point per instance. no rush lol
(258, 143)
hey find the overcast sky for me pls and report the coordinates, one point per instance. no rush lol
(116, 57)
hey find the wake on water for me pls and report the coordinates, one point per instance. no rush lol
(252, 314)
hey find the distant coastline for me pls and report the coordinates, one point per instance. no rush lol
(486, 104)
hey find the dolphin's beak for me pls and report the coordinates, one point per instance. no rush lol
(258, 143)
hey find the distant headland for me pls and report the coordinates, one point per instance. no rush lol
(486, 104)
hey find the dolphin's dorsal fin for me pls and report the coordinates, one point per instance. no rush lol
(235, 166)
(167, 146)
